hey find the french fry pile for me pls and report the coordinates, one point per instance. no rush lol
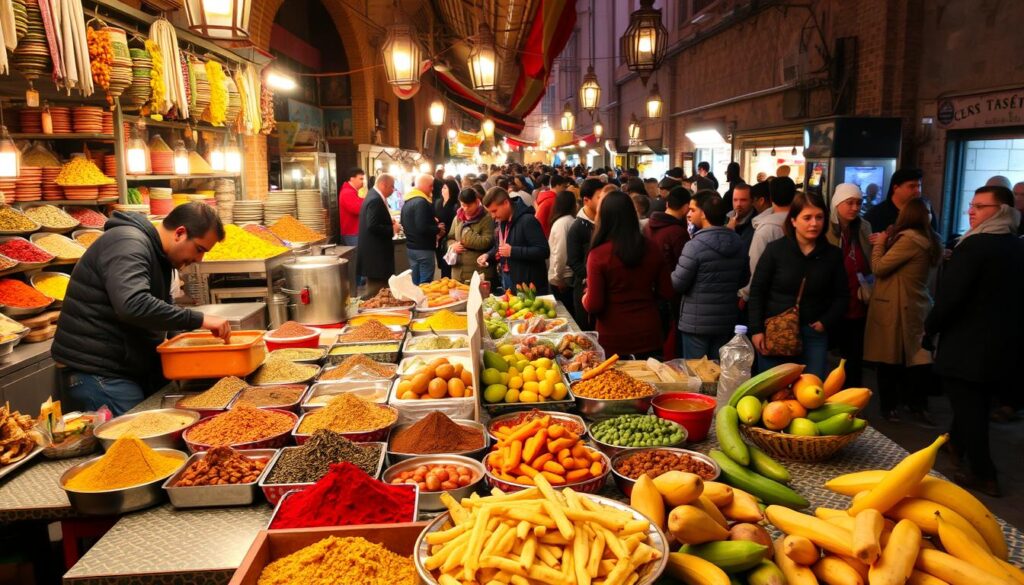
(539, 447)
(537, 536)
(437, 291)
(15, 441)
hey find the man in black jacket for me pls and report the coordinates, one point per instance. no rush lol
(421, 229)
(520, 247)
(577, 245)
(375, 254)
(118, 305)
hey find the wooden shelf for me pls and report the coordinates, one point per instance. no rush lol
(65, 136)
(143, 178)
(202, 127)
(81, 202)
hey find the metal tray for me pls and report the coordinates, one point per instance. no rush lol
(360, 436)
(20, 232)
(274, 491)
(252, 377)
(431, 501)
(388, 356)
(398, 329)
(240, 494)
(333, 388)
(29, 265)
(564, 405)
(311, 361)
(117, 501)
(437, 331)
(409, 363)
(40, 235)
(168, 440)
(326, 369)
(9, 469)
(403, 307)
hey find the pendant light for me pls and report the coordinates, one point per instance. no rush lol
(181, 162)
(793, 152)
(232, 157)
(219, 19)
(402, 56)
(773, 150)
(488, 127)
(644, 43)
(568, 121)
(654, 103)
(437, 113)
(137, 154)
(634, 128)
(598, 128)
(10, 156)
(452, 134)
(216, 155)
(547, 135)
(590, 91)
(483, 60)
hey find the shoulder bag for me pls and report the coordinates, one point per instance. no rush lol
(782, 331)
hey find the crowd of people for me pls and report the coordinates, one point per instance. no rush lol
(667, 268)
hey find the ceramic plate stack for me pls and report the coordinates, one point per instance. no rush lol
(161, 157)
(278, 205)
(51, 190)
(32, 57)
(121, 65)
(61, 120)
(224, 193)
(88, 119)
(310, 209)
(30, 120)
(109, 165)
(200, 89)
(108, 124)
(8, 187)
(234, 103)
(20, 19)
(248, 211)
(28, 185)
(139, 91)
(108, 191)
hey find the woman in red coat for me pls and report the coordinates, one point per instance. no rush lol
(626, 275)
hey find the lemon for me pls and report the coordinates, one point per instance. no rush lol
(532, 387)
(559, 392)
(515, 382)
(512, 395)
(552, 376)
(507, 349)
(546, 388)
(530, 374)
(491, 376)
(495, 393)
(527, 396)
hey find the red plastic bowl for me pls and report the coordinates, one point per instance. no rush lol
(697, 422)
(311, 341)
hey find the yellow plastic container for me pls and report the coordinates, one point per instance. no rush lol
(198, 354)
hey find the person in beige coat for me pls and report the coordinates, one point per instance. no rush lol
(904, 258)
(471, 234)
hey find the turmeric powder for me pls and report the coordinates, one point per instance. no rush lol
(341, 560)
(128, 462)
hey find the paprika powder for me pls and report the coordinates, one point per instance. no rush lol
(14, 293)
(346, 496)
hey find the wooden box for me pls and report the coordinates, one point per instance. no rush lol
(271, 545)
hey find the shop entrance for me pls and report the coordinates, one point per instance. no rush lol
(976, 157)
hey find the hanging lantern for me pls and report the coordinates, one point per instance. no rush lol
(590, 91)
(436, 113)
(402, 56)
(654, 103)
(452, 134)
(483, 60)
(488, 127)
(137, 155)
(645, 40)
(219, 19)
(568, 119)
(598, 128)
(547, 135)
(10, 156)
(181, 163)
(634, 128)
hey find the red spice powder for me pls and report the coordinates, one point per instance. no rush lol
(291, 329)
(24, 251)
(14, 293)
(344, 497)
(87, 217)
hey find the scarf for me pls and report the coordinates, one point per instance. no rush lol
(1005, 221)
(469, 220)
(414, 193)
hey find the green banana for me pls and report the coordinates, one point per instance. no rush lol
(829, 409)
(858, 424)
(839, 424)
(727, 429)
(762, 463)
(732, 556)
(766, 573)
(767, 382)
(767, 490)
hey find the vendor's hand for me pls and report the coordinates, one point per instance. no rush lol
(732, 223)
(759, 345)
(397, 227)
(818, 326)
(219, 326)
(458, 247)
(876, 238)
(481, 260)
(505, 250)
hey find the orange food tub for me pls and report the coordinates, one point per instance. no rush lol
(193, 356)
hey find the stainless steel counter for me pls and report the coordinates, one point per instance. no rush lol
(28, 375)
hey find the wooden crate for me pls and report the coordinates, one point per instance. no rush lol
(271, 545)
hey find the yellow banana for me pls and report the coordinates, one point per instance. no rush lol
(826, 513)
(828, 536)
(834, 571)
(709, 507)
(1016, 573)
(953, 570)
(795, 574)
(900, 480)
(694, 570)
(922, 578)
(867, 535)
(801, 550)
(923, 512)
(958, 544)
(861, 568)
(846, 523)
(743, 507)
(897, 560)
(719, 493)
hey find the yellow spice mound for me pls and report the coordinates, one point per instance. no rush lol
(241, 245)
(128, 462)
(341, 560)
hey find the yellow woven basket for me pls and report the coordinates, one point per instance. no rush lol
(798, 447)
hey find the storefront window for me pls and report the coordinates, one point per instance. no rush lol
(983, 159)
(754, 161)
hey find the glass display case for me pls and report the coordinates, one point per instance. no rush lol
(314, 170)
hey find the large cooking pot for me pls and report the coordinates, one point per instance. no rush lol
(317, 287)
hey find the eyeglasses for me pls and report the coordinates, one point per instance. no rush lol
(977, 206)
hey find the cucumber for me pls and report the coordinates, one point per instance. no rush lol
(762, 463)
(769, 491)
(727, 429)
(829, 410)
(732, 556)
(767, 382)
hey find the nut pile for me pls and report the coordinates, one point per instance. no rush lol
(12, 221)
(360, 364)
(383, 299)
(50, 216)
(655, 462)
(60, 247)
(218, 396)
(369, 331)
(612, 385)
(222, 466)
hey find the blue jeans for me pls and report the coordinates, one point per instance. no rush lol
(814, 356)
(506, 280)
(697, 346)
(422, 263)
(90, 392)
(350, 240)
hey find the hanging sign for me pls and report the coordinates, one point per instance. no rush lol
(1004, 108)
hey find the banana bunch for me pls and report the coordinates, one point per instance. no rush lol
(892, 532)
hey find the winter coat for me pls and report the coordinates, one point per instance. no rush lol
(711, 268)
(668, 234)
(767, 228)
(545, 203)
(745, 229)
(559, 273)
(978, 314)
(375, 254)
(577, 243)
(118, 306)
(349, 206)
(529, 249)
(419, 222)
(900, 301)
(477, 237)
(864, 230)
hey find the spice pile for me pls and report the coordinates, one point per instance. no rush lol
(60, 247)
(39, 157)
(281, 371)
(290, 329)
(267, 396)
(437, 342)
(6, 263)
(293, 230)
(655, 462)
(87, 217)
(24, 251)
(352, 366)
(12, 221)
(348, 414)
(341, 560)
(129, 462)
(222, 466)
(263, 234)
(14, 293)
(86, 239)
(81, 172)
(311, 461)
(399, 318)
(239, 244)
(612, 385)
(298, 354)
(436, 433)
(242, 424)
(436, 477)
(369, 348)
(217, 396)
(147, 424)
(51, 217)
(443, 320)
(369, 331)
(383, 299)
(343, 497)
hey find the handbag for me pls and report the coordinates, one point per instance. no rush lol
(782, 331)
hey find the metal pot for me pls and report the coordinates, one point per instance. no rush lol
(317, 287)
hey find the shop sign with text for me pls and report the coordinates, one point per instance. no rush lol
(1005, 108)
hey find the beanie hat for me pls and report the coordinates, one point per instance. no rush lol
(843, 192)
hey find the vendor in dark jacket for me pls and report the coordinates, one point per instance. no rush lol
(739, 218)
(803, 253)
(520, 247)
(375, 254)
(421, 230)
(118, 306)
(446, 204)
(577, 246)
(668, 231)
(904, 186)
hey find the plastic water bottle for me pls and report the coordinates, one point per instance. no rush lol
(737, 358)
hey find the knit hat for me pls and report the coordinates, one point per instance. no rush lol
(843, 192)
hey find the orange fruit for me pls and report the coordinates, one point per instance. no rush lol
(467, 377)
(438, 388)
(404, 386)
(776, 415)
(456, 388)
(809, 395)
(796, 408)
(446, 371)
(420, 383)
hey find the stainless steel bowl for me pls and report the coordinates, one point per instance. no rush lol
(170, 440)
(122, 500)
(202, 496)
(395, 456)
(560, 416)
(312, 361)
(598, 409)
(649, 573)
(613, 450)
(625, 484)
(431, 501)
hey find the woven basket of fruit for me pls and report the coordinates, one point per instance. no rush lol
(798, 447)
